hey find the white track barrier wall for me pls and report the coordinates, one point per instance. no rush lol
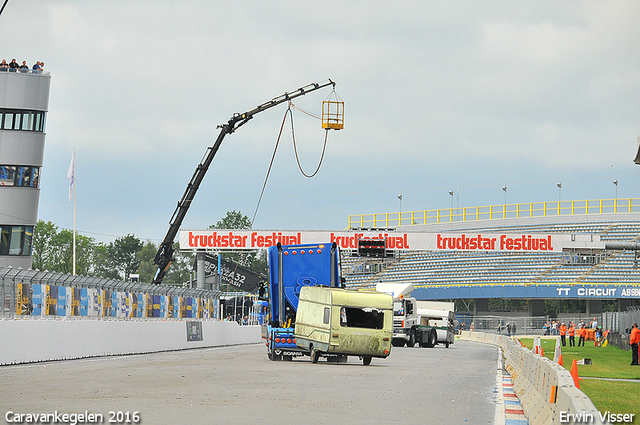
(545, 389)
(23, 341)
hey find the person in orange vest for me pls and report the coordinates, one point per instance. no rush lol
(634, 339)
(572, 334)
(563, 334)
(582, 333)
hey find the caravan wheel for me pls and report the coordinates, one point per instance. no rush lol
(314, 354)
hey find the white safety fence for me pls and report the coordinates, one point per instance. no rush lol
(546, 390)
(25, 341)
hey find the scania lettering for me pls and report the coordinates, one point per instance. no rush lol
(291, 267)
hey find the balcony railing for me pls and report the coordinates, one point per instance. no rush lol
(493, 212)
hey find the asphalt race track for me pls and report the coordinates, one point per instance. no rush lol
(238, 384)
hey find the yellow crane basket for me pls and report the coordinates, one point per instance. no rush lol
(333, 113)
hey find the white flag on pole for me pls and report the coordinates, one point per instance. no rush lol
(71, 174)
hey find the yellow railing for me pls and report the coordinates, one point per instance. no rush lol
(493, 212)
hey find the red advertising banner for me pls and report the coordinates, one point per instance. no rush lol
(448, 241)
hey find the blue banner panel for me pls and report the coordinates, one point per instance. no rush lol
(38, 302)
(62, 301)
(140, 305)
(569, 291)
(176, 306)
(114, 304)
(84, 302)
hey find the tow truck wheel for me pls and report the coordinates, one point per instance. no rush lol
(412, 339)
(366, 360)
(433, 338)
(314, 355)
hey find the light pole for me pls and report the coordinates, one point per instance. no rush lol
(504, 211)
(400, 215)
(559, 195)
(451, 211)
(615, 202)
(615, 182)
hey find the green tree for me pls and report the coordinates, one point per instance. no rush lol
(147, 268)
(233, 220)
(103, 265)
(53, 249)
(180, 269)
(124, 255)
(255, 259)
(43, 235)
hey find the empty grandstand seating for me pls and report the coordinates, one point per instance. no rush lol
(423, 268)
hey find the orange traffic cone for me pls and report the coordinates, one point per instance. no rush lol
(542, 351)
(560, 360)
(574, 374)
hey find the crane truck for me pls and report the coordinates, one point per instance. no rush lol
(164, 256)
(292, 267)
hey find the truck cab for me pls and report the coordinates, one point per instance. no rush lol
(292, 267)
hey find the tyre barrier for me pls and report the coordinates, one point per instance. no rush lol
(546, 390)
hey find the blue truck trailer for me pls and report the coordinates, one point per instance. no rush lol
(291, 267)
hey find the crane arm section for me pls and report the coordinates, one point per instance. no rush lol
(164, 256)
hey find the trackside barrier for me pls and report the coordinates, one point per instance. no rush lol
(25, 341)
(545, 389)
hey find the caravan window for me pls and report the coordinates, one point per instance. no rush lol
(355, 317)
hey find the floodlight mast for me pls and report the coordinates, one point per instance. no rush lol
(164, 256)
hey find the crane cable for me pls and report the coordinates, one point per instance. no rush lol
(324, 147)
(273, 156)
(264, 185)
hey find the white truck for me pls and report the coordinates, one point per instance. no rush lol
(425, 323)
(440, 315)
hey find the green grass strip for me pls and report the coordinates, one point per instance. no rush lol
(607, 362)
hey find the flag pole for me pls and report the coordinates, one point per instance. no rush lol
(71, 174)
(74, 221)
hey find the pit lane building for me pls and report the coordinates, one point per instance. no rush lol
(24, 100)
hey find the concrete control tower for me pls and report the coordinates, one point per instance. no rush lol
(24, 100)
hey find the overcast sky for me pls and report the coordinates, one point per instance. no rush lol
(439, 96)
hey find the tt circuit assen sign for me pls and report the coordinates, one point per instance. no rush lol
(471, 241)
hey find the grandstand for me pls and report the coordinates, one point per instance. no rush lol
(526, 275)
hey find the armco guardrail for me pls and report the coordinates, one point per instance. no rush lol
(545, 389)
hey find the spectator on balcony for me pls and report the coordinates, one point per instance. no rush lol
(37, 69)
(24, 67)
(13, 65)
(4, 66)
